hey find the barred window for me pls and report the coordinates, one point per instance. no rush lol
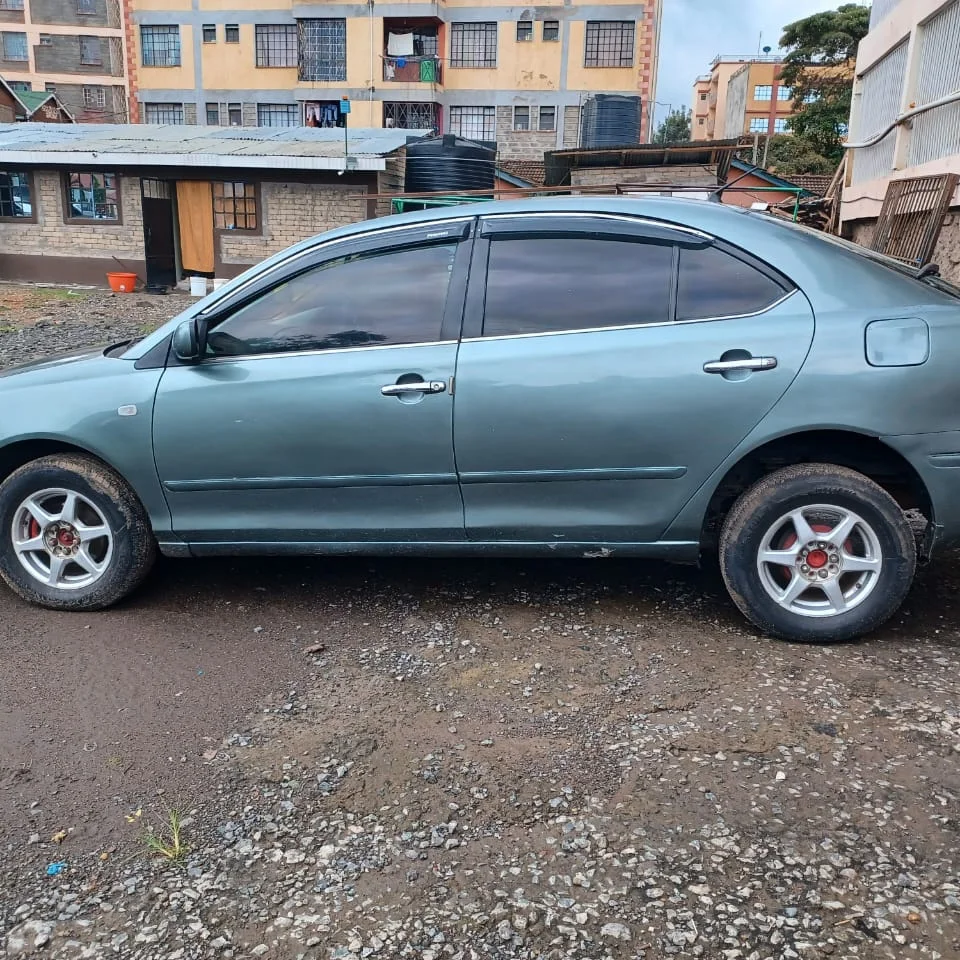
(411, 116)
(548, 118)
(93, 196)
(90, 51)
(86, 7)
(278, 115)
(209, 33)
(474, 123)
(784, 93)
(762, 91)
(231, 32)
(235, 206)
(323, 49)
(160, 46)
(15, 46)
(759, 124)
(213, 114)
(524, 30)
(276, 45)
(235, 114)
(163, 112)
(11, 4)
(473, 45)
(20, 86)
(15, 199)
(94, 98)
(780, 125)
(609, 43)
(551, 29)
(521, 118)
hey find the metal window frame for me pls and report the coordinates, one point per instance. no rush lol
(784, 94)
(526, 28)
(487, 117)
(473, 46)
(757, 95)
(412, 115)
(517, 114)
(215, 105)
(107, 177)
(759, 120)
(170, 113)
(99, 99)
(276, 44)
(21, 36)
(205, 28)
(274, 111)
(225, 205)
(85, 56)
(554, 25)
(160, 45)
(86, 8)
(15, 191)
(610, 43)
(553, 112)
(231, 33)
(322, 49)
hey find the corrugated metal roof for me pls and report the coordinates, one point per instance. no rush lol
(173, 145)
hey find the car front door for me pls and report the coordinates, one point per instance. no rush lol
(322, 408)
(607, 367)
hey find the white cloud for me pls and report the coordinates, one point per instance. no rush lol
(695, 31)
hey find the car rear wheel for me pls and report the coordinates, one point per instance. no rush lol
(817, 553)
(73, 535)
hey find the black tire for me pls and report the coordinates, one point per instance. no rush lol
(133, 545)
(759, 510)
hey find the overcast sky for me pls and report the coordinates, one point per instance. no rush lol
(695, 31)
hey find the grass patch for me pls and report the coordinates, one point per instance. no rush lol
(167, 842)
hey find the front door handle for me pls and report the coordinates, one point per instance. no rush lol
(745, 363)
(418, 386)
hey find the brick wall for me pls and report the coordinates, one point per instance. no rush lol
(522, 144)
(946, 254)
(692, 176)
(292, 212)
(62, 55)
(571, 126)
(391, 180)
(114, 102)
(50, 236)
(65, 12)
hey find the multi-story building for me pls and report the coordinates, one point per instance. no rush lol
(907, 64)
(73, 47)
(741, 95)
(469, 67)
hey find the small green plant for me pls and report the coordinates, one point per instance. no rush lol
(168, 842)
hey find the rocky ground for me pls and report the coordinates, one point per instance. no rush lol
(467, 759)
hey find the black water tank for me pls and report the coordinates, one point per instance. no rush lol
(610, 120)
(449, 163)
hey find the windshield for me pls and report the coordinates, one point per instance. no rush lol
(904, 269)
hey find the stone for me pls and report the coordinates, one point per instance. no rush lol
(29, 937)
(615, 931)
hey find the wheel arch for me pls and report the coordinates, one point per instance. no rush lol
(865, 453)
(22, 451)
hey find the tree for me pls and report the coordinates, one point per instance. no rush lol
(675, 129)
(788, 155)
(818, 67)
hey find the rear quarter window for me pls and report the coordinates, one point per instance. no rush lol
(715, 284)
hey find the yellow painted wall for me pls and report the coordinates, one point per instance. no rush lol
(171, 78)
(232, 4)
(233, 65)
(580, 77)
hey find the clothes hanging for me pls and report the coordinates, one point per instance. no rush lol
(400, 44)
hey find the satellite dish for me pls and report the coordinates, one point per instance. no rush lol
(767, 49)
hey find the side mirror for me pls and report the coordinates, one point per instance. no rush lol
(188, 340)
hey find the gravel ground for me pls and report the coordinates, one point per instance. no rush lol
(469, 759)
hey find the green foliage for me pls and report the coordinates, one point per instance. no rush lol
(788, 155)
(675, 129)
(822, 49)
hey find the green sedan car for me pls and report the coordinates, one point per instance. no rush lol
(579, 377)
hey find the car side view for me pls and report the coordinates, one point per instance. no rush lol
(569, 377)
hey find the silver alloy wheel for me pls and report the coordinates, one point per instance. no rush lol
(62, 539)
(820, 560)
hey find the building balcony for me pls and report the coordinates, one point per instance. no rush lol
(412, 69)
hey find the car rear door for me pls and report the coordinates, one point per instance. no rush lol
(322, 411)
(607, 367)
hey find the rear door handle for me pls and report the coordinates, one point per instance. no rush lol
(418, 386)
(747, 363)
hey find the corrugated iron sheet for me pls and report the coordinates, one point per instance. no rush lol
(936, 134)
(880, 10)
(881, 90)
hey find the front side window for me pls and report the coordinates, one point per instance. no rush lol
(548, 118)
(524, 30)
(322, 49)
(209, 33)
(93, 196)
(94, 98)
(473, 45)
(213, 114)
(713, 283)
(473, 123)
(394, 297)
(551, 29)
(163, 113)
(160, 46)
(784, 93)
(759, 124)
(521, 118)
(551, 284)
(231, 32)
(15, 199)
(278, 115)
(276, 44)
(15, 46)
(780, 125)
(234, 205)
(762, 91)
(235, 114)
(609, 43)
(90, 52)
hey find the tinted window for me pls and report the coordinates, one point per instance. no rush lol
(715, 284)
(544, 284)
(393, 297)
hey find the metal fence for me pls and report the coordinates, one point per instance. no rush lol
(880, 10)
(881, 93)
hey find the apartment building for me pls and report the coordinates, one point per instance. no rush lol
(741, 95)
(905, 120)
(468, 67)
(72, 47)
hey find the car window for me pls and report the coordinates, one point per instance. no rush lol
(713, 283)
(548, 284)
(363, 300)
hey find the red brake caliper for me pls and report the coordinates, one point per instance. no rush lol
(815, 558)
(34, 528)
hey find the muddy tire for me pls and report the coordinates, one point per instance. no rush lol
(73, 535)
(817, 553)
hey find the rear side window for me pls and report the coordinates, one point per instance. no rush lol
(716, 284)
(551, 284)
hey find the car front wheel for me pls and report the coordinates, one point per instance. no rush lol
(73, 535)
(817, 553)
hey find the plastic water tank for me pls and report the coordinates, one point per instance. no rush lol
(449, 163)
(610, 120)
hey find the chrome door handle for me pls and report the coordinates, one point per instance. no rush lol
(418, 386)
(748, 363)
